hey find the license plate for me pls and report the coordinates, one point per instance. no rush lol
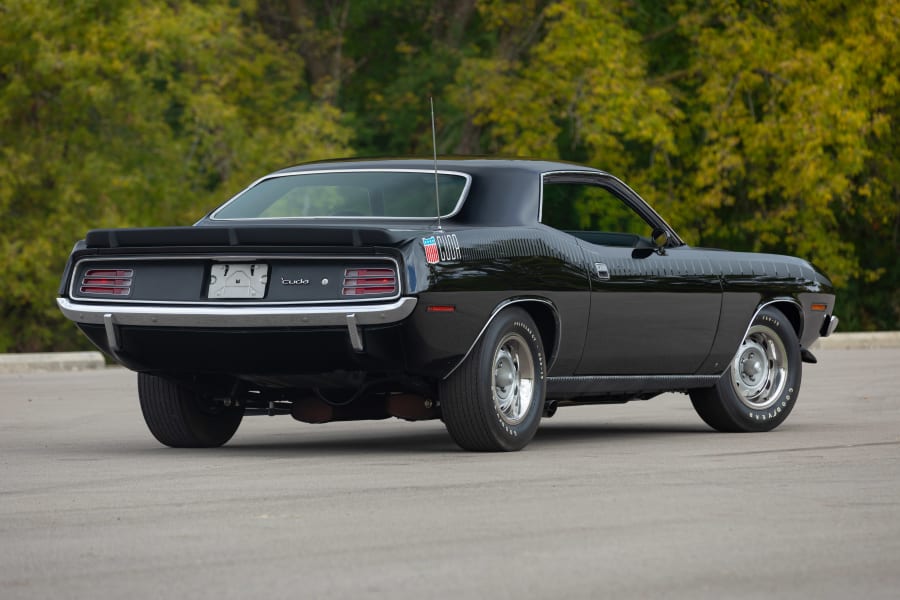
(238, 281)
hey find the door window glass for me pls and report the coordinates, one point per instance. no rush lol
(593, 213)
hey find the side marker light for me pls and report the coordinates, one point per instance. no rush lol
(441, 308)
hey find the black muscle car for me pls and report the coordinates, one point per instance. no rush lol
(486, 293)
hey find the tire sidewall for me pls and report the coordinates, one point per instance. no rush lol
(511, 436)
(753, 419)
(213, 427)
(176, 415)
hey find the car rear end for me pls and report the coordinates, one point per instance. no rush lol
(233, 300)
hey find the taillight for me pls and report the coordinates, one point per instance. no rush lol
(363, 282)
(116, 282)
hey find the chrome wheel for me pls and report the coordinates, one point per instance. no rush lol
(512, 381)
(760, 368)
(494, 400)
(759, 388)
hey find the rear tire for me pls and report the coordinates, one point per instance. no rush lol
(494, 400)
(181, 417)
(761, 385)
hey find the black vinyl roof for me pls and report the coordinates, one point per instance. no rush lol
(503, 191)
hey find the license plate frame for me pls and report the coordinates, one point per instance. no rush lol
(232, 281)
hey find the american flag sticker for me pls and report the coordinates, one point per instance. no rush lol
(431, 250)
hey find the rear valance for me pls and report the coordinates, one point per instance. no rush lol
(243, 236)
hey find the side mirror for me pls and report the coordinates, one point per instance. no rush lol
(660, 238)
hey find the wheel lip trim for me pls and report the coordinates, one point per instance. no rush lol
(497, 310)
(768, 303)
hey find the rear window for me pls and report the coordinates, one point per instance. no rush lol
(373, 194)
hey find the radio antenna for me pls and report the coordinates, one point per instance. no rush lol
(437, 193)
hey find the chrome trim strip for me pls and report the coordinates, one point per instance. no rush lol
(236, 258)
(456, 208)
(496, 312)
(237, 316)
(765, 304)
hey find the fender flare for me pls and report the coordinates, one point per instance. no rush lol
(500, 308)
(780, 300)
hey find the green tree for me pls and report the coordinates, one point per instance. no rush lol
(766, 126)
(126, 113)
(791, 146)
(568, 80)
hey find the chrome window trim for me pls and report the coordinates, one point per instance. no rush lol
(459, 202)
(234, 258)
(613, 178)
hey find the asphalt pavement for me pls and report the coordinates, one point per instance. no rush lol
(31, 362)
(634, 501)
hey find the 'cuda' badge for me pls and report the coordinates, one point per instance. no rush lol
(298, 281)
(441, 247)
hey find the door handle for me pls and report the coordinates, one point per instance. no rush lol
(602, 271)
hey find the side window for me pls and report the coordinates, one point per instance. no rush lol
(592, 213)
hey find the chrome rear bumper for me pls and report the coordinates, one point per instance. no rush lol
(224, 317)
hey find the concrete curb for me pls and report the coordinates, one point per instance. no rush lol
(858, 340)
(79, 361)
(50, 361)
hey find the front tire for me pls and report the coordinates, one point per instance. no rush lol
(761, 385)
(181, 417)
(494, 400)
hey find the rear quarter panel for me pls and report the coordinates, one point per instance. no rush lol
(494, 265)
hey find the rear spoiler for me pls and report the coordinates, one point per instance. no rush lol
(271, 235)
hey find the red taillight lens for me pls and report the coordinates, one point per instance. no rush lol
(109, 273)
(115, 282)
(367, 282)
(441, 308)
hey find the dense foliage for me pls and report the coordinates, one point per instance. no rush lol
(764, 125)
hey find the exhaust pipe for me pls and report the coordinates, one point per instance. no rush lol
(315, 410)
(410, 407)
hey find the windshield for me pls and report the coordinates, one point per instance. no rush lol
(376, 194)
